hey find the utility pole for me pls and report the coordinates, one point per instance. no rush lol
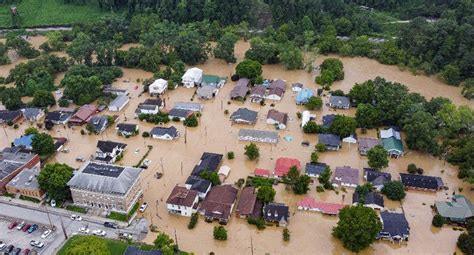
(185, 134)
(161, 163)
(176, 238)
(181, 168)
(157, 210)
(63, 228)
(251, 244)
(49, 218)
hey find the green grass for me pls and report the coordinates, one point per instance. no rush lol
(49, 12)
(76, 209)
(114, 246)
(124, 217)
(31, 199)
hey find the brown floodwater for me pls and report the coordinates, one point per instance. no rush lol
(310, 232)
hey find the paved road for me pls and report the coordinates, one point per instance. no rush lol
(71, 226)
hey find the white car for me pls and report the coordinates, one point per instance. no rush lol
(125, 236)
(46, 233)
(2, 245)
(84, 230)
(53, 203)
(36, 244)
(21, 225)
(76, 217)
(99, 232)
(143, 207)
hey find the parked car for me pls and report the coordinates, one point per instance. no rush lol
(46, 233)
(2, 246)
(99, 232)
(125, 236)
(84, 230)
(12, 225)
(26, 227)
(110, 224)
(16, 251)
(80, 159)
(36, 244)
(53, 203)
(26, 252)
(143, 207)
(76, 217)
(33, 228)
(9, 249)
(20, 226)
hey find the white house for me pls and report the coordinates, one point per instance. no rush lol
(182, 201)
(163, 133)
(350, 139)
(305, 117)
(158, 87)
(108, 151)
(119, 103)
(192, 77)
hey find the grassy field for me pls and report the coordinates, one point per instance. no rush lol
(49, 12)
(114, 246)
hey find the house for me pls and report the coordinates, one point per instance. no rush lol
(248, 205)
(422, 182)
(339, 102)
(25, 141)
(192, 77)
(277, 213)
(391, 132)
(149, 106)
(278, 84)
(275, 94)
(458, 210)
(350, 139)
(219, 203)
(332, 142)
(279, 119)
(315, 169)
(244, 116)
(198, 184)
(109, 90)
(257, 94)
(26, 184)
(182, 201)
(393, 146)
(259, 172)
(33, 114)
(395, 227)
(223, 173)
(305, 118)
(303, 96)
(10, 116)
(372, 200)
(180, 114)
(83, 115)
(134, 250)
(365, 144)
(158, 87)
(98, 124)
(310, 204)
(208, 162)
(119, 103)
(377, 178)
(126, 129)
(213, 81)
(260, 136)
(12, 162)
(239, 92)
(58, 117)
(59, 142)
(190, 106)
(328, 120)
(296, 87)
(109, 151)
(283, 165)
(206, 92)
(164, 133)
(346, 176)
(106, 187)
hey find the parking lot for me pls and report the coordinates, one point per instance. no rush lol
(21, 239)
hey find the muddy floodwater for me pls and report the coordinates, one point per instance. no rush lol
(310, 232)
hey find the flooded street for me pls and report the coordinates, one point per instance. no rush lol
(310, 232)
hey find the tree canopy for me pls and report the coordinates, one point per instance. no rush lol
(54, 178)
(378, 157)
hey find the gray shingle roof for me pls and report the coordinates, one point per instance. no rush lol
(339, 101)
(245, 115)
(459, 208)
(119, 101)
(160, 131)
(329, 140)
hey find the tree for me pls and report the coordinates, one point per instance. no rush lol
(291, 57)
(314, 103)
(343, 126)
(211, 176)
(81, 49)
(266, 194)
(367, 116)
(394, 190)
(357, 228)
(438, 221)
(82, 90)
(43, 98)
(54, 178)
(225, 47)
(298, 183)
(251, 151)
(191, 121)
(11, 98)
(193, 221)
(332, 70)
(165, 243)
(286, 235)
(31, 131)
(43, 144)
(262, 51)
(248, 69)
(421, 132)
(378, 157)
(451, 75)
(468, 88)
(312, 128)
(191, 47)
(411, 168)
(314, 157)
(220, 233)
(321, 147)
(466, 243)
(87, 245)
(325, 177)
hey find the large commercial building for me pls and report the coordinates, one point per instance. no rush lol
(12, 162)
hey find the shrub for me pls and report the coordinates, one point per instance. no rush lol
(419, 170)
(83, 132)
(321, 147)
(394, 190)
(176, 119)
(220, 233)
(286, 235)
(411, 168)
(299, 115)
(252, 151)
(191, 121)
(226, 112)
(319, 189)
(145, 134)
(258, 222)
(438, 221)
(230, 155)
(193, 221)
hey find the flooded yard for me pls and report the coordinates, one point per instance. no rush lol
(310, 232)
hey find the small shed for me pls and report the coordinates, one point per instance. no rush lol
(223, 173)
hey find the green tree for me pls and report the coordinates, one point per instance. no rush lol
(220, 233)
(292, 57)
(421, 132)
(81, 49)
(53, 179)
(312, 128)
(325, 177)
(438, 221)
(451, 75)
(191, 47)
(466, 243)
(357, 228)
(320, 147)
(314, 103)
(343, 126)
(468, 88)
(55, 41)
(43, 98)
(298, 183)
(378, 157)
(165, 243)
(82, 90)
(31, 131)
(286, 235)
(225, 47)
(248, 69)
(367, 116)
(332, 70)
(211, 176)
(314, 157)
(266, 194)
(43, 144)
(262, 51)
(394, 190)
(87, 245)
(11, 98)
(411, 168)
(252, 151)
(191, 121)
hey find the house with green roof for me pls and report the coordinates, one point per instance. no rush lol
(213, 81)
(393, 146)
(459, 210)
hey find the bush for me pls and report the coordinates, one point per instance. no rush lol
(145, 134)
(466, 243)
(193, 221)
(299, 115)
(258, 222)
(438, 221)
(252, 151)
(220, 233)
(78, 209)
(226, 112)
(319, 189)
(286, 235)
(394, 190)
(321, 147)
(419, 170)
(230, 155)
(411, 168)
(176, 119)
(63, 102)
(191, 121)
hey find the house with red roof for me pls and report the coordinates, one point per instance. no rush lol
(309, 204)
(283, 166)
(260, 172)
(83, 115)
